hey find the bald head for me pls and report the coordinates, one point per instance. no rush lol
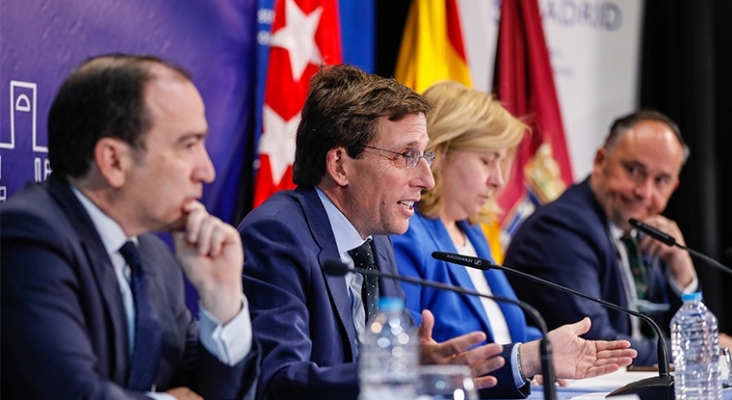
(635, 175)
(627, 122)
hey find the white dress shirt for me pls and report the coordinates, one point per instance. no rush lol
(499, 326)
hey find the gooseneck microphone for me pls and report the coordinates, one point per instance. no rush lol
(656, 388)
(337, 268)
(669, 240)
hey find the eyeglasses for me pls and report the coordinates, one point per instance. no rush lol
(411, 157)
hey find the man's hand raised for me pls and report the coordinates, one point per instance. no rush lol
(212, 257)
(577, 358)
(481, 360)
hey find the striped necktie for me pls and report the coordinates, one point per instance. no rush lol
(637, 267)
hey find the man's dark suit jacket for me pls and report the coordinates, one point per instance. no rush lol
(301, 316)
(567, 242)
(64, 328)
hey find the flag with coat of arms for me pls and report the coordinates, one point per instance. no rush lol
(305, 34)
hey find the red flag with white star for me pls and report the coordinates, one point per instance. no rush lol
(305, 35)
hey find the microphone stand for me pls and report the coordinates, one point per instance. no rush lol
(656, 388)
(336, 267)
(669, 240)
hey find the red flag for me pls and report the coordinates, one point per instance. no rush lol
(305, 35)
(524, 84)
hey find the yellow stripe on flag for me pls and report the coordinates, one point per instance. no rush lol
(426, 55)
(492, 233)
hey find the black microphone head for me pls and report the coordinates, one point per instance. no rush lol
(473, 262)
(335, 267)
(652, 231)
(729, 253)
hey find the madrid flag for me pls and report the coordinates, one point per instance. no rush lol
(305, 35)
(523, 82)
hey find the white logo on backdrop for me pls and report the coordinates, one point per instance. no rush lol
(23, 107)
(23, 123)
(41, 169)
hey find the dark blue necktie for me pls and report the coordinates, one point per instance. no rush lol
(363, 257)
(148, 335)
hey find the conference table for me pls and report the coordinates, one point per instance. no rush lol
(598, 388)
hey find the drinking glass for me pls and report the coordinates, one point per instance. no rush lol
(445, 382)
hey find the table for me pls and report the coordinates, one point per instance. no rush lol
(597, 388)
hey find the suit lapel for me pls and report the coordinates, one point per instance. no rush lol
(614, 282)
(317, 220)
(151, 261)
(386, 263)
(457, 273)
(99, 263)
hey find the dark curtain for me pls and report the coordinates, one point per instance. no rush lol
(686, 73)
(391, 16)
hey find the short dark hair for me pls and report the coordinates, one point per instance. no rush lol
(103, 97)
(627, 122)
(341, 109)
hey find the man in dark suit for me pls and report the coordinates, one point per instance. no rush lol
(360, 165)
(583, 240)
(92, 303)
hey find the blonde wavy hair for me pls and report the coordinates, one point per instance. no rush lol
(466, 120)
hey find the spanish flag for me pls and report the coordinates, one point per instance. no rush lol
(433, 50)
(432, 46)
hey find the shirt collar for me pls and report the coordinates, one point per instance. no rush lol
(346, 236)
(112, 235)
(616, 233)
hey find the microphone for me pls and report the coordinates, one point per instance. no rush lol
(656, 388)
(337, 268)
(669, 240)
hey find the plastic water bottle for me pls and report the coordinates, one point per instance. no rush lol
(389, 358)
(695, 347)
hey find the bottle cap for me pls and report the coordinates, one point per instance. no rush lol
(696, 296)
(389, 304)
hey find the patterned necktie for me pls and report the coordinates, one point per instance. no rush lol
(363, 258)
(148, 335)
(637, 267)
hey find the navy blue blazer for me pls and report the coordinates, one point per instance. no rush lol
(456, 314)
(64, 328)
(567, 242)
(301, 316)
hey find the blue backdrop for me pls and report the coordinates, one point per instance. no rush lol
(42, 41)
(221, 42)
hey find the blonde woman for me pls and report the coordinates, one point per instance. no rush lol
(473, 137)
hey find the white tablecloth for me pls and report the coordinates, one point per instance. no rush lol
(597, 388)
